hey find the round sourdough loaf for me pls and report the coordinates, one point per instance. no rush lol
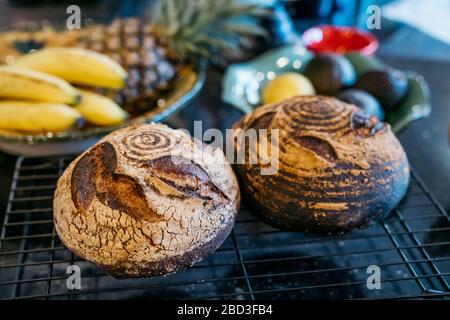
(146, 200)
(338, 167)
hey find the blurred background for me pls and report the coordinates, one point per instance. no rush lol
(414, 35)
(399, 38)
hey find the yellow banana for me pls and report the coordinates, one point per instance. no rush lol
(100, 110)
(77, 65)
(25, 84)
(36, 116)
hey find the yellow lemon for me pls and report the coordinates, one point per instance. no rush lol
(286, 85)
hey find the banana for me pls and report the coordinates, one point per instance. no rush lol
(36, 116)
(100, 110)
(24, 84)
(77, 65)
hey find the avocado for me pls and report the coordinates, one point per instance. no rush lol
(388, 86)
(330, 73)
(363, 100)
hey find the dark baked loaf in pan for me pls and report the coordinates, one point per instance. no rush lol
(141, 203)
(339, 168)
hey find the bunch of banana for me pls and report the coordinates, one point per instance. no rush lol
(76, 65)
(36, 116)
(20, 83)
(36, 94)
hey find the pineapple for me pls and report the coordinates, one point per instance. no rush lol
(153, 52)
(151, 67)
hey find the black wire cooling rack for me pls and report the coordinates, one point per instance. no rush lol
(257, 261)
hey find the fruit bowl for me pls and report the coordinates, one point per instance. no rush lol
(187, 85)
(156, 49)
(243, 82)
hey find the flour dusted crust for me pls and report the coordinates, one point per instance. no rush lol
(143, 201)
(338, 167)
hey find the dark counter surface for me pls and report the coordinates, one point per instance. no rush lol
(427, 141)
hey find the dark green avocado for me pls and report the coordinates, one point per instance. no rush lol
(388, 86)
(363, 100)
(330, 73)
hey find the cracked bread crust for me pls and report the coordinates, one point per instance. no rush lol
(142, 202)
(339, 168)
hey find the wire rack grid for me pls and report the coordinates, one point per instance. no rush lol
(411, 248)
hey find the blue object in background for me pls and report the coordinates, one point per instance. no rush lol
(283, 28)
(307, 13)
(346, 12)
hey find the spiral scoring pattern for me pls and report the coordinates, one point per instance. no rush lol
(143, 146)
(339, 168)
(318, 115)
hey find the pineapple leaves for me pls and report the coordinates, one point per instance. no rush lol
(244, 29)
(172, 16)
(203, 27)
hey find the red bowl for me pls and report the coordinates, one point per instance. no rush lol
(339, 40)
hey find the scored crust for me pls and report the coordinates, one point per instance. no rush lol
(143, 201)
(339, 168)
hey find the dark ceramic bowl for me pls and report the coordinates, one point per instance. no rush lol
(243, 82)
